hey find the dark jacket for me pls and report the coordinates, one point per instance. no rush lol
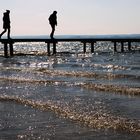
(53, 19)
(6, 20)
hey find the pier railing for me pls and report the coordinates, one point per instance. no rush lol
(10, 52)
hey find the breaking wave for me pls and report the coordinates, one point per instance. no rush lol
(93, 86)
(99, 120)
(85, 74)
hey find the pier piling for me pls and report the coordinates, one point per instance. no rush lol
(5, 50)
(11, 49)
(9, 43)
(129, 46)
(122, 46)
(48, 48)
(54, 47)
(115, 46)
(84, 47)
(92, 47)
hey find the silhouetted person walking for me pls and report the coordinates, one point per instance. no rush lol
(53, 22)
(6, 23)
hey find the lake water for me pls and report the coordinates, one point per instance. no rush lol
(70, 95)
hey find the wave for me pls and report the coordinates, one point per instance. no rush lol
(78, 74)
(93, 86)
(31, 81)
(113, 88)
(84, 74)
(97, 120)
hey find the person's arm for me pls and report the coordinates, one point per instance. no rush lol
(56, 21)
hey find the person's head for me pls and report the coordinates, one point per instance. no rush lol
(7, 11)
(54, 12)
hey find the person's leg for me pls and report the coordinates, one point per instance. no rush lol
(53, 29)
(3, 32)
(8, 34)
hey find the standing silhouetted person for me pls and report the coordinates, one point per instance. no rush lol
(6, 23)
(53, 22)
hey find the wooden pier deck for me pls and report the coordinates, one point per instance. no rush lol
(9, 43)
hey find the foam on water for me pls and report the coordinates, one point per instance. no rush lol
(98, 120)
(99, 87)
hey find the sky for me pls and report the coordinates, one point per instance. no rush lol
(75, 17)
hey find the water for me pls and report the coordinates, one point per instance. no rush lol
(70, 95)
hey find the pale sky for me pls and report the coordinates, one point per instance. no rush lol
(75, 17)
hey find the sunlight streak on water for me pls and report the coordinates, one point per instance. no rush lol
(99, 91)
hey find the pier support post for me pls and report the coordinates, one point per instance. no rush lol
(84, 47)
(122, 46)
(129, 46)
(115, 46)
(92, 47)
(48, 48)
(54, 47)
(53, 42)
(5, 50)
(11, 49)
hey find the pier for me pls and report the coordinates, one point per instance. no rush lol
(10, 42)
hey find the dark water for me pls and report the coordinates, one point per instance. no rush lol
(70, 95)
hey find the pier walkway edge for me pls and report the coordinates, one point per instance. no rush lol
(10, 52)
